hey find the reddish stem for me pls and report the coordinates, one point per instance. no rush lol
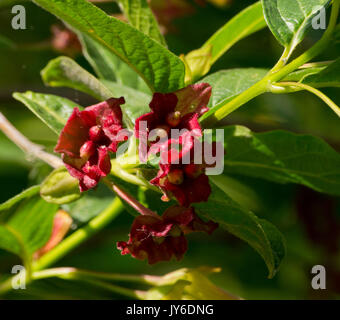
(131, 200)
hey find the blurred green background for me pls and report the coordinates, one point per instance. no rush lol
(309, 221)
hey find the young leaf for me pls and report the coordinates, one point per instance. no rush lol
(227, 84)
(65, 72)
(327, 77)
(26, 223)
(51, 109)
(241, 26)
(161, 69)
(289, 20)
(301, 74)
(282, 157)
(108, 66)
(258, 233)
(141, 17)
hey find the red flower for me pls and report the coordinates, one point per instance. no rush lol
(180, 176)
(159, 239)
(186, 182)
(87, 138)
(178, 110)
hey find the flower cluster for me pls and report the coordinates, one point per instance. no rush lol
(180, 110)
(91, 134)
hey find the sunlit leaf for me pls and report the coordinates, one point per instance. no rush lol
(161, 69)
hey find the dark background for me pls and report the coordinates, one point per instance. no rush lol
(309, 221)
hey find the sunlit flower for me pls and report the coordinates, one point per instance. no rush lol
(87, 139)
(178, 110)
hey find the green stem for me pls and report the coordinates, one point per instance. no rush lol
(86, 276)
(81, 235)
(71, 242)
(317, 92)
(283, 60)
(73, 273)
(264, 85)
(134, 294)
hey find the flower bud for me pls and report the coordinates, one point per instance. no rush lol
(96, 133)
(61, 225)
(160, 132)
(173, 119)
(176, 177)
(87, 150)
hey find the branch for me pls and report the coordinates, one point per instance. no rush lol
(26, 145)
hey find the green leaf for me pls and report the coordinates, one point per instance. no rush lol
(241, 26)
(108, 66)
(227, 84)
(52, 110)
(141, 17)
(289, 20)
(301, 74)
(60, 188)
(258, 233)
(65, 72)
(92, 203)
(161, 69)
(327, 77)
(282, 157)
(26, 223)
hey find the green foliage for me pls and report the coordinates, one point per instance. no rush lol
(92, 203)
(227, 84)
(132, 60)
(108, 66)
(26, 223)
(260, 234)
(64, 72)
(327, 77)
(141, 17)
(241, 26)
(199, 62)
(282, 157)
(289, 20)
(161, 69)
(52, 110)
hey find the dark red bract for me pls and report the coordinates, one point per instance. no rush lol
(87, 138)
(160, 239)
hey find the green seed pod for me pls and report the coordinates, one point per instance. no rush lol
(60, 188)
